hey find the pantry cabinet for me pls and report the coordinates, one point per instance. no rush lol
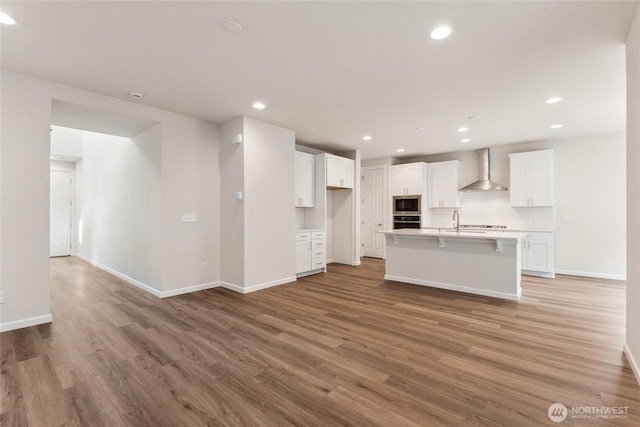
(531, 176)
(305, 171)
(443, 182)
(408, 179)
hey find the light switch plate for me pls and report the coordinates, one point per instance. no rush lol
(189, 218)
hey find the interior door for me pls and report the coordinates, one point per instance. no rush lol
(372, 212)
(60, 214)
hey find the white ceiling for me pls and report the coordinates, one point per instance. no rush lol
(335, 71)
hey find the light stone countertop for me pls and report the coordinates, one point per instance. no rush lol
(452, 233)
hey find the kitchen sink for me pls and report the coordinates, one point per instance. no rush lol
(464, 231)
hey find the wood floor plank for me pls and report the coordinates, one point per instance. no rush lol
(67, 363)
(342, 348)
(15, 417)
(42, 395)
(91, 406)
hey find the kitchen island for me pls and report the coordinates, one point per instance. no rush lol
(477, 262)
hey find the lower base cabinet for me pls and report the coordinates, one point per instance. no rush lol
(310, 252)
(537, 254)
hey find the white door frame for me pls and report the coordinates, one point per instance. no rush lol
(72, 170)
(385, 208)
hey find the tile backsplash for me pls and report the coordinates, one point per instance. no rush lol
(494, 208)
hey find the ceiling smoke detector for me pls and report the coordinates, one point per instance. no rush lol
(136, 95)
(233, 26)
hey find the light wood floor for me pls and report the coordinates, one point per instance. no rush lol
(342, 348)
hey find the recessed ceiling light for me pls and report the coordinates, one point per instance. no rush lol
(463, 129)
(6, 19)
(441, 33)
(473, 117)
(367, 138)
(136, 95)
(558, 126)
(233, 26)
(400, 150)
(466, 140)
(51, 157)
(259, 105)
(553, 100)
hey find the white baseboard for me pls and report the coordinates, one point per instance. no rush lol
(147, 288)
(452, 287)
(260, 286)
(134, 282)
(592, 274)
(539, 274)
(25, 323)
(632, 361)
(189, 289)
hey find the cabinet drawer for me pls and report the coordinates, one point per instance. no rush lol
(318, 244)
(318, 234)
(318, 264)
(318, 253)
(303, 236)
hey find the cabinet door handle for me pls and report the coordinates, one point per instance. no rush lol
(310, 245)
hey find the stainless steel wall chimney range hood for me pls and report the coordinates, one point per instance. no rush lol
(484, 182)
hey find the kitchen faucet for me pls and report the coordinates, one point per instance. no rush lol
(456, 219)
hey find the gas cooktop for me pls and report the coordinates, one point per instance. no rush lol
(483, 227)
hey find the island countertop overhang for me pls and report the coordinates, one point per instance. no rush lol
(453, 234)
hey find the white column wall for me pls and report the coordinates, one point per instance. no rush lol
(232, 210)
(632, 342)
(24, 266)
(269, 176)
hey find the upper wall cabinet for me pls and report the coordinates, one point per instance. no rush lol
(408, 179)
(443, 179)
(340, 172)
(531, 178)
(305, 167)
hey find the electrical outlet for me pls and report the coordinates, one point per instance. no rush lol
(205, 266)
(189, 218)
(1, 297)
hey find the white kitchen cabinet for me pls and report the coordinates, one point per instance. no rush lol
(537, 254)
(310, 251)
(303, 256)
(443, 182)
(305, 168)
(340, 172)
(408, 179)
(531, 176)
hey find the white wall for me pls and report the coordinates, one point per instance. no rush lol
(66, 142)
(25, 134)
(632, 342)
(590, 202)
(190, 184)
(258, 245)
(269, 176)
(120, 190)
(232, 210)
